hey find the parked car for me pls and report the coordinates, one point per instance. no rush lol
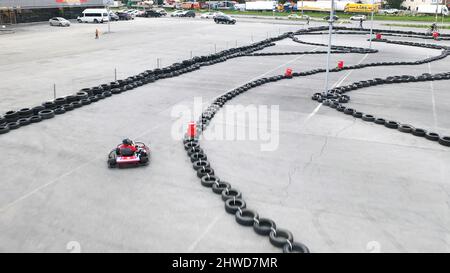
(59, 21)
(162, 11)
(298, 17)
(93, 16)
(210, 15)
(177, 13)
(124, 16)
(358, 17)
(327, 18)
(152, 13)
(113, 16)
(224, 19)
(388, 11)
(188, 13)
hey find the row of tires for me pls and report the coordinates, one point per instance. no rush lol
(12, 120)
(234, 203)
(335, 97)
(233, 200)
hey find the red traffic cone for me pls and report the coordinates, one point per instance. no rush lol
(340, 64)
(191, 130)
(288, 72)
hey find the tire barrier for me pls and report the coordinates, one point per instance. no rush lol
(334, 98)
(87, 96)
(336, 93)
(234, 202)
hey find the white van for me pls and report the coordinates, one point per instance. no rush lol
(93, 16)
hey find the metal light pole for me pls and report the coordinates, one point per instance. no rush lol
(302, 8)
(442, 11)
(330, 22)
(371, 25)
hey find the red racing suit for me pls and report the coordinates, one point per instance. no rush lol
(126, 146)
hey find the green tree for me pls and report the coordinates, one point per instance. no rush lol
(394, 4)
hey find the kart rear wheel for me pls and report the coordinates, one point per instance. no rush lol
(112, 163)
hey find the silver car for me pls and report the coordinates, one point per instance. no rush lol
(59, 21)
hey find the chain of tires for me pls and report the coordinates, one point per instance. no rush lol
(15, 119)
(234, 203)
(233, 198)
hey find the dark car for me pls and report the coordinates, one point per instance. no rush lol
(152, 13)
(124, 16)
(224, 19)
(327, 18)
(189, 13)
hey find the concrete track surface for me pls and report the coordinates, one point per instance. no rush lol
(337, 183)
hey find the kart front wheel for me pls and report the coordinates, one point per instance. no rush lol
(112, 163)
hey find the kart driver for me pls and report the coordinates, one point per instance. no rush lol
(128, 144)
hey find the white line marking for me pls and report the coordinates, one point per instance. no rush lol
(433, 100)
(265, 73)
(208, 228)
(25, 196)
(337, 84)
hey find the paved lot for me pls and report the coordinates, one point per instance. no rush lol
(337, 183)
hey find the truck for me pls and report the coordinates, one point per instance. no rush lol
(321, 5)
(362, 8)
(260, 5)
(432, 9)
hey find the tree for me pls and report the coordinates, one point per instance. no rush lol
(394, 4)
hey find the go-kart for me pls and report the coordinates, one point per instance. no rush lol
(125, 157)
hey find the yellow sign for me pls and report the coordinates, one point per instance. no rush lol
(361, 8)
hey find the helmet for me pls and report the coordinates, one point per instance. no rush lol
(127, 141)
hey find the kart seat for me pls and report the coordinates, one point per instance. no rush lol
(126, 152)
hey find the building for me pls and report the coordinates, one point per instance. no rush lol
(21, 11)
(413, 4)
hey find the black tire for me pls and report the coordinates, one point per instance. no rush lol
(191, 144)
(85, 101)
(82, 95)
(35, 119)
(4, 129)
(392, 124)
(368, 118)
(11, 116)
(432, 136)
(76, 104)
(419, 132)
(204, 171)
(209, 180)
(295, 248)
(25, 112)
(49, 105)
(264, 226)
(380, 121)
(60, 111)
(405, 128)
(200, 164)
(219, 187)
(349, 111)
(358, 114)
(68, 107)
(246, 217)
(47, 114)
(112, 163)
(198, 156)
(231, 193)
(194, 150)
(24, 121)
(13, 125)
(233, 205)
(444, 140)
(280, 237)
(37, 109)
